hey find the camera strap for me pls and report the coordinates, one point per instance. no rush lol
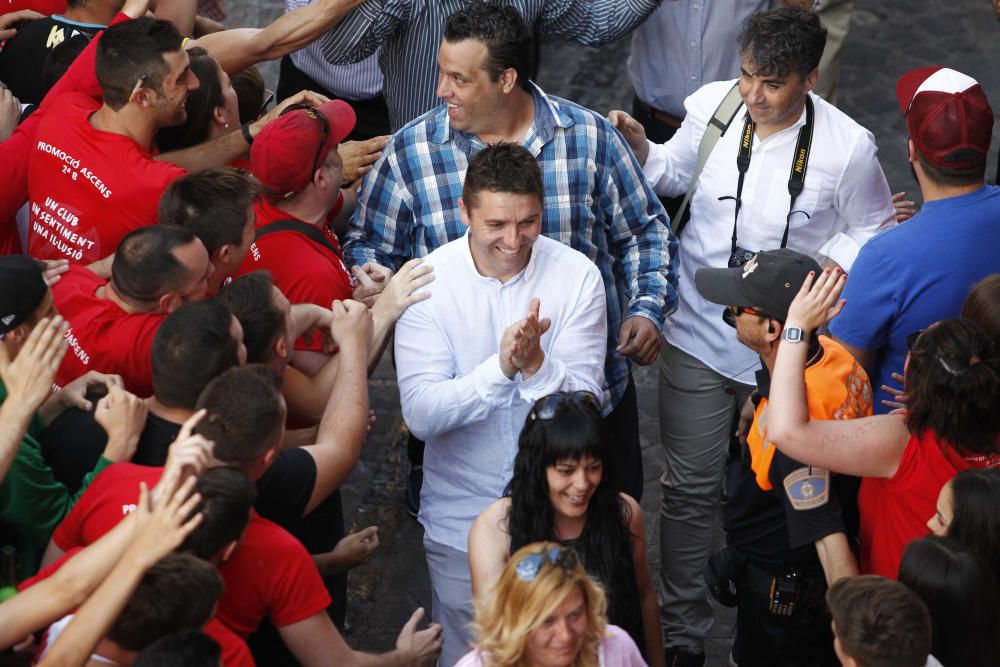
(796, 176)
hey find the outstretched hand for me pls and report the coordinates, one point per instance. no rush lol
(818, 300)
(400, 292)
(420, 647)
(634, 133)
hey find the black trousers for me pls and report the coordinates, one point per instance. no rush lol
(621, 429)
(764, 639)
(373, 114)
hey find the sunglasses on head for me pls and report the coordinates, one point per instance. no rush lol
(549, 406)
(324, 128)
(529, 566)
(911, 340)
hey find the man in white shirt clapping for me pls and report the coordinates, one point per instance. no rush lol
(513, 316)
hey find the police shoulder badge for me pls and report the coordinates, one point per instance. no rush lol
(808, 488)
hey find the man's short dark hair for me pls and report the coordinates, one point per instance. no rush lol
(193, 346)
(176, 594)
(250, 297)
(952, 177)
(245, 413)
(880, 622)
(212, 204)
(502, 167)
(509, 41)
(187, 648)
(130, 51)
(144, 267)
(227, 495)
(781, 41)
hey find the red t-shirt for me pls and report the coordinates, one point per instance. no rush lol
(269, 576)
(102, 336)
(305, 271)
(15, 151)
(895, 511)
(87, 188)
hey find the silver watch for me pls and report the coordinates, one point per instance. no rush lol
(793, 335)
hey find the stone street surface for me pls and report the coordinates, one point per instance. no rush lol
(887, 38)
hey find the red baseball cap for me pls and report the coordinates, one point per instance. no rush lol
(291, 147)
(948, 116)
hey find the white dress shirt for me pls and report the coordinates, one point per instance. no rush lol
(454, 395)
(844, 202)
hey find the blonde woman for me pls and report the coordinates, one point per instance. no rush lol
(544, 611)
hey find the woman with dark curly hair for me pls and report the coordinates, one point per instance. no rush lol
(544, 611)
(559, 493)
(951, 423)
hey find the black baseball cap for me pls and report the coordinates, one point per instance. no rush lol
(768, 282)
(23, 289)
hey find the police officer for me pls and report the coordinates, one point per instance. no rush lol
(791, 529)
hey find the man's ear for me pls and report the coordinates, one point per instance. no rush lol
(281, 347)
(774, 329)
(911, 150)
(508, 80)
(169, 302)
(811, 79)
(222, 256)
(463, 211)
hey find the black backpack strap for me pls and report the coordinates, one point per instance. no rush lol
(311, 232)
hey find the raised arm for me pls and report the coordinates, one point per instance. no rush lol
(161, 530)
(240, 47)
(594, 22)
(866, 447)
(28, 382)
(364, 30)
(344, 426)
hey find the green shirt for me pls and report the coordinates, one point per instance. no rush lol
(32, 502)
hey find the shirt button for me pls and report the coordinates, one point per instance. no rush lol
(694, 43)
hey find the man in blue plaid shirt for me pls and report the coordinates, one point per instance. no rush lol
(596, 199)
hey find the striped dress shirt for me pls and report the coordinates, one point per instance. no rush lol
(355, 81)
(596, 201)
(409, 33)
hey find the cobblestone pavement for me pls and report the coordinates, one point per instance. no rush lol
(887, 38)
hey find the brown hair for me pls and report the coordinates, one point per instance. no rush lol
(880, 622)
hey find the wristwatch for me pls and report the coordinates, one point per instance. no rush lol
(793, 335)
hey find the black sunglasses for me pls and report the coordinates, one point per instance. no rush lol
(549, 406)
(911, 340)
(529, 566)
(324, 127)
